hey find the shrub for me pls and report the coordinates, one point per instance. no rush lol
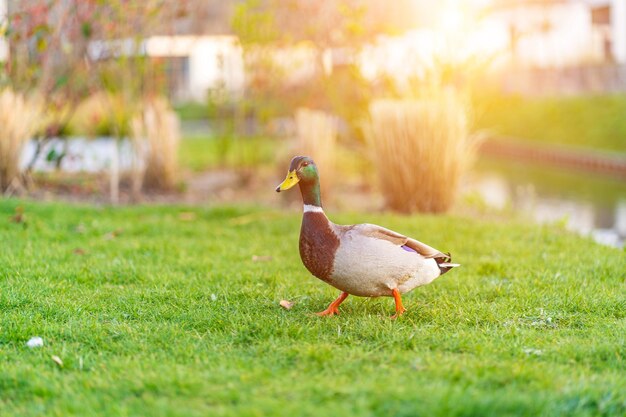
(19, 120)
(421, 149)
(103, 114)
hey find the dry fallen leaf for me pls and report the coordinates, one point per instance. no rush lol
(287, 305)
(256, 258)
(79, 251)
(187, 216)
(57, 360)
(19, 216)
(113, 234)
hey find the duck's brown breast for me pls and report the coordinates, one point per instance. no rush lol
(318, 244)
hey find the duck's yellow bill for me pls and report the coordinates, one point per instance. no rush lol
(291, 180)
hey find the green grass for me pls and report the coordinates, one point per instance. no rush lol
(167, 317)
(593, 121)
(204, 152)
(192, 111)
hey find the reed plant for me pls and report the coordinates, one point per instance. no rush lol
(317, 138)
(421, 148)
(20, 118)
(156, 136)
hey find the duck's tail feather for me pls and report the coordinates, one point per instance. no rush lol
(445, 264)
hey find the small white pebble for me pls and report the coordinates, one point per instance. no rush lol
(35, 342)
(213, 297)
(533, 352)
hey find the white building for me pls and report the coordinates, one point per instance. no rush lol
(563, 33)
(514, 35)
(194, 64)
(554, 34)
(618, 29)
(197, 64)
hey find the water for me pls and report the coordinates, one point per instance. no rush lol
(591, 205)
(588, 204)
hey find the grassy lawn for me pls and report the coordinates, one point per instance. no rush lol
(158, 314)
(594, 122)
(590, 121)
(200, 153)
(192, 111)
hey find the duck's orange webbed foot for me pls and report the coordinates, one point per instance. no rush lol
(399, 307)
(333, 308)
(330, 311)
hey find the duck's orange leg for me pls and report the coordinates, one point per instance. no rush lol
(399, 307)
(333, 308)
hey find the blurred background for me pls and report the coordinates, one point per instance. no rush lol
(492, 108)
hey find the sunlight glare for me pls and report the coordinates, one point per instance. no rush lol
(452, 18)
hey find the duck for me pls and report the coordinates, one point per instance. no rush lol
(364, 260)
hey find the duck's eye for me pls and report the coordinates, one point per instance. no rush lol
(305, 164)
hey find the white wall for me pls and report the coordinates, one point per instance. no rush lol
(4, 46)
(214, 61)
(568, 40)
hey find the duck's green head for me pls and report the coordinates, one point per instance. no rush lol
(302, 169)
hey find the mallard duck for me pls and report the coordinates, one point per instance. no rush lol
(365, 260)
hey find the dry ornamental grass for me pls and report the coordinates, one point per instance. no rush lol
(20, 118)
(421, 149)
(317, 137)
(156, 135)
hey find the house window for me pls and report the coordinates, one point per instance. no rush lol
(601, 15)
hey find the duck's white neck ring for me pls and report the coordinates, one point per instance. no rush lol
(308, 208)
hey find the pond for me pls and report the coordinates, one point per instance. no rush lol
(590, 204)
